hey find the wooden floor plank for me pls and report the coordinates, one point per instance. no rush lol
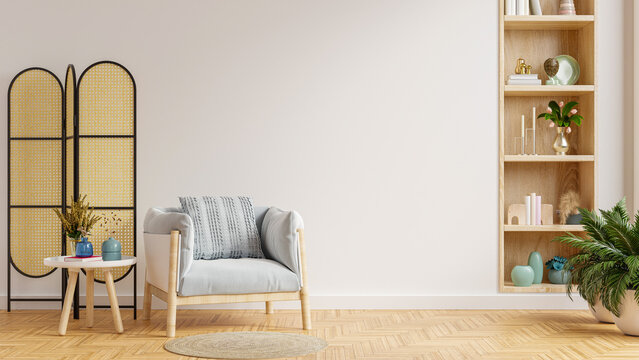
(351, 334)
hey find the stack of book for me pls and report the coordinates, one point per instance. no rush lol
(523, 7)
(524, 79)
(82, 259)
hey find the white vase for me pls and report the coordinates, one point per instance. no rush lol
(601, 313)
(628, 320)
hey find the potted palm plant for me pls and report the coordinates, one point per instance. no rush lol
(606, 269)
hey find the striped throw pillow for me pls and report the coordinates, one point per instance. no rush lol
(224, 227)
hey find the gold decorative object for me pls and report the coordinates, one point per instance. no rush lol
(521, 66)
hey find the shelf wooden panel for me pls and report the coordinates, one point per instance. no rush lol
(536, 228)
(548, 90)
(509, 287)
(549, 158)
(547, 22)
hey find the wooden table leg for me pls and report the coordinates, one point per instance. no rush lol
(68, 299)
(113, 299)
(89, 297)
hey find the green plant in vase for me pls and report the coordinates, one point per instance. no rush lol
(558, 272)
(606, 268)
(77, 221)
(562, 116)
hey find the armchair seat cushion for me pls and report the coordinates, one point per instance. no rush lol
(237, 276)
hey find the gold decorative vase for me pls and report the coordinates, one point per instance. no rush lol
(561, 144)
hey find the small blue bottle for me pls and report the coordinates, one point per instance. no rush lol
(84, 248)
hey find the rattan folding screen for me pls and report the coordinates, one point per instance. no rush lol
(66, 142)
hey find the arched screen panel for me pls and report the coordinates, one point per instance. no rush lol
(106, 152)
(35, 166)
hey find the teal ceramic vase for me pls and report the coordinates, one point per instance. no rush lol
(111, 250)
(84, 248)
(522, 275)
(535, 262)
(558, 276)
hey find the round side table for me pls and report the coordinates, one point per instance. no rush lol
(74, 268)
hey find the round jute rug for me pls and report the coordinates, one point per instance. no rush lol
(245, 345)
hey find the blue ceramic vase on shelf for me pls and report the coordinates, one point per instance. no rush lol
(537, 264)
(522, 275)
(558, 276)
(111, 250)
(84, 248)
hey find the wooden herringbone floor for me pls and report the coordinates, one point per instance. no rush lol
(351, 334)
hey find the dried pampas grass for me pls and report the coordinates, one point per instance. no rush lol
(568, 205)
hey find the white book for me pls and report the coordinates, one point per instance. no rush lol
(527, 202)
(535, 7)
(521, 7)
(527, 5)
(524, 82)
(524, 77)
(511, 7)
(533, 211)
(82, 259)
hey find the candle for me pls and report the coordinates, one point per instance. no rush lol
(523, 126)
(534, 118)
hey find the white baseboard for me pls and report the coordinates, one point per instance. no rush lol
(319, 302)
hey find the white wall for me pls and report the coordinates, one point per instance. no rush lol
(375, 119)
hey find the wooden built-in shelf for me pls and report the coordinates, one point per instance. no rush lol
(546, 228)
(509, 287)
(549, 158)
(535, 38)
(547, 22)
(548, 90)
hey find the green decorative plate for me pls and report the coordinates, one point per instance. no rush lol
(569, 70)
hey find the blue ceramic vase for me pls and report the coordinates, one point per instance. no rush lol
(537, 264)
(558, 276)
(84, 248)
(522, 275)
(111, 250)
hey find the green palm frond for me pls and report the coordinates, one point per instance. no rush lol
(607, 262)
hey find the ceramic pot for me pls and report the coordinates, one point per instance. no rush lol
(522, 275)
(111, 250)
(567, 7)
(558, 276)
(537, 264)
(628, 320)
(574, 219)
(561, 145)
(84, 248)
(601, 313)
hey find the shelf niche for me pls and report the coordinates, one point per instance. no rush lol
(550, 181)
(584, 7)
(581, 139)
(536, 46)
(518, 245)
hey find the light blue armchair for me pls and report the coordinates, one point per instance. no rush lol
(168, 239)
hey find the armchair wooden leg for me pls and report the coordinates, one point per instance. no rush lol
(171, 313)
(148, 298)
(306, 311)
(269, 307)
